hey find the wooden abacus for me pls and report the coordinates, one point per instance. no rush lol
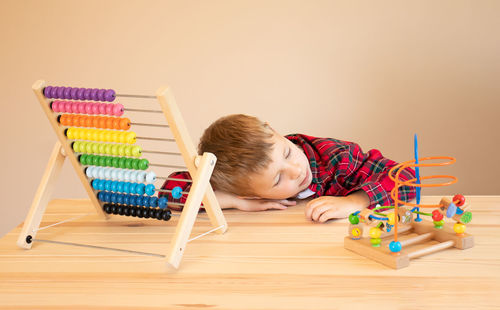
(102, 176)
(383, 245)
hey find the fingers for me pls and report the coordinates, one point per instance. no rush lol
(320, 210)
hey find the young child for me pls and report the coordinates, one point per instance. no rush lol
(258, 169)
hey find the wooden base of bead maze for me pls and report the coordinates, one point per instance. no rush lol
(436, 239)
(200, 168)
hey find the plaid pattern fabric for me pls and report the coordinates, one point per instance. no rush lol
(338, 169)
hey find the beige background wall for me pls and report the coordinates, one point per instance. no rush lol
(370, 72)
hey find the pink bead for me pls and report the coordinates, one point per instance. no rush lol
(109, 109)
(95, 107)
(67, 106)
(81, 107)
(102, 108)
(88, 107)
(74, 107)
(118, 109)
(55, 106)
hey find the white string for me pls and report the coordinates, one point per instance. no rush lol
(68, 220)
(204, 234)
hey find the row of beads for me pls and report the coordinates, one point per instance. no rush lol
(101, 135)
(82, 107)
(104, 122)
(140, 212)
(117, 174)
(106, 148)
(117, 162)
(123, 187)
(134, 200)
(76, 93)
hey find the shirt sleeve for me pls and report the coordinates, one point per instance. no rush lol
(370, 172)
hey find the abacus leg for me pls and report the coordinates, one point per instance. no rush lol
(190, 210)
(42, 196)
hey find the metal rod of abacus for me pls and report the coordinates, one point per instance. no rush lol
(174, 179)
(160, 152)
(135, 96)
(168, 191)
(143, 110)
(149, 125)
(155, 139)
(167, 166)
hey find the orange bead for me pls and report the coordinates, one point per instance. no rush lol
(88, 121)
(124, 124)
(116, 123)
(63, 119)
(95, 121)
(76, 120)
(102, 122)
(109, 123)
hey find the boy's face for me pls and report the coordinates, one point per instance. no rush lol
(287, 174)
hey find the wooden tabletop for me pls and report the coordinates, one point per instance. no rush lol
(266, 260)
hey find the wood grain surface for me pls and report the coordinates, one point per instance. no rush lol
(266, 260)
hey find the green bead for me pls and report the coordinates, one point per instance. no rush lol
(143, 164)
(375, 242)
(353, 219)
(116, 162)
(123, 162)
(102, 161)
(466, 217)
(438, 224)
(95, 160)
(83, 159)
(109, 161)
(135, 164)
(129, 163)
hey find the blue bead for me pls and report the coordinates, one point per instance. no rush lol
(153, 202)
(452, 209)
(139, 189)
(140, 200)
(132, 188)
(126, 187)
(114, 186)
(395, 246)
(119, 198)
(119, 187)
(113, 198)
(100, 196)
(107, 185)
(126, 199)
(146, 201)
(133, 200)
(150, 189)
(107, 197)
(162, 202)
(177, 192)
(95, 184)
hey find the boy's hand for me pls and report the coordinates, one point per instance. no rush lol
(228, 201)
(325, 208)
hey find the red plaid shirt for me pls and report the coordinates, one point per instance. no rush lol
(338, 169)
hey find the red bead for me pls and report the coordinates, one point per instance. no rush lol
(437, 216)
(458, 200)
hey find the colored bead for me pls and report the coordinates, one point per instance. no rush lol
(375, 232)
(145, 201)
(114, 186)
(117, 109)
(88, 171)
(115, 161)
(395, 246)
(436, 215)
(83, 159)
(119, 175)
(150, 190)
(107, 185)
(119, 187)
(95, 160)
(438, 224)
(353, 219)
(375, 242)
(140, 189)
(46, 91)
(123, 162)
(133, 188)
(141, 177)
(127, 175)
(459, 200)
(153, 201)
(177, 192)
(451, 210)
(109, 160)
(109, 95)
(121, 151)
(459, 228)
(124, 124)
(140, 201)
(391, 218)
(135, 163)
(130, 137)
(466, 217)
(116, 123)
(143, 164)
(129, 163)
(133, 200)
(107, 149)
(136, 151)
(151, 178)
(166, 215)
(126, 187)
(162, 202)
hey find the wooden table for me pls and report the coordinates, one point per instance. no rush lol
(266, 260)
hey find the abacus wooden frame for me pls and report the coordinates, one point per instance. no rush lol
(200, 168)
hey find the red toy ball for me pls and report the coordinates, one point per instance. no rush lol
(458, 200)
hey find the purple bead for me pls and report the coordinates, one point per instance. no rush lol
(53, 92)
(73, 93)
(80, 94)
(109, 95)
(100, 94)
(60, 92)
(46, 91)
(86, 93)
(67, 93)
(93, 93)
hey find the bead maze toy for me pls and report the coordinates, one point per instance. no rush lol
(103, 151)
(395, 246)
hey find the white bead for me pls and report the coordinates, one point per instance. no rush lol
(114, 174)
(133, 176)
(141, 176)
(107, 173)
(120, 175)
(126, 175)
(89, 170)
(150, 177)
(101, 173)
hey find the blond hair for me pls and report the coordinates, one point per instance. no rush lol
(242, 144)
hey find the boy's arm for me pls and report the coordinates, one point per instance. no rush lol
(325, 208)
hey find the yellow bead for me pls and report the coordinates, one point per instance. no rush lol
(356, 232)
(102, 136)
(390, 218)
(130, 137)
(96, 134)
(115, 136)
(375, 232)
(459, 228)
